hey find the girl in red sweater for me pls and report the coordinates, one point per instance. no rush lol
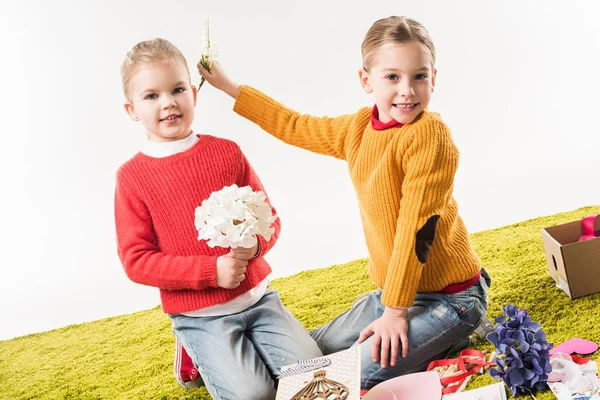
(235, 329)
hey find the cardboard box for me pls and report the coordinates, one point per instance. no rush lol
(574, 265)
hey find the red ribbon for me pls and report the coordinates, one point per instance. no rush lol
(451, 383)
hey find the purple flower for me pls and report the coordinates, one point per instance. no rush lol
(523, 360)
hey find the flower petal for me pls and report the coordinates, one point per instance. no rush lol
(516, 377)
(494, 338)
(496, 373)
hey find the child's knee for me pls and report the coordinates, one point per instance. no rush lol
(258, 390)
(250, 387)
(307, 349)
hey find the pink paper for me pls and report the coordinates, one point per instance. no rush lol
(421, 385)
(575, 345)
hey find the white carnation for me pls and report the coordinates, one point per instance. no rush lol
(233, 216)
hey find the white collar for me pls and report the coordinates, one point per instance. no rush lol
(165, 149)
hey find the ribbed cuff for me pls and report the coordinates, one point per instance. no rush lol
(252, 103)
(244, 101)
(208, 272)
(258, 249)
(263, 247)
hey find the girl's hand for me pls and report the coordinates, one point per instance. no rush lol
(231, 271)
(388, 331)
(217, 78)
(245, 254)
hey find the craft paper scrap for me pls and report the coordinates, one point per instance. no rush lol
(495, 391)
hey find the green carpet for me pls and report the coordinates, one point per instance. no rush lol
(131, 356)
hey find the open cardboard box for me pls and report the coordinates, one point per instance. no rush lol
(574, 265)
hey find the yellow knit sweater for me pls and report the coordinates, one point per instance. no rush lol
(402, 177)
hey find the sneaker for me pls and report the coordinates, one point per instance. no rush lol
(185, 371)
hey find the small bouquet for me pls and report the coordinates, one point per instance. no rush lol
(233, 216)
(523, 358)
(209, 50)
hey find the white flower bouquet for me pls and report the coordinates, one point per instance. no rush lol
(209, 51)
(233, 216)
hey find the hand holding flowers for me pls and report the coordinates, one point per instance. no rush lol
(210, 69)
(231, 271)
(233, 217)
(245, 254)
(218, 79)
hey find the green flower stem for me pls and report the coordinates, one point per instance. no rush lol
(206, 64)
(205, 59)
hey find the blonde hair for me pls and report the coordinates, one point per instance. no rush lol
(394, 29)
(146, 53)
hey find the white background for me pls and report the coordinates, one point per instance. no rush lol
(517, 83)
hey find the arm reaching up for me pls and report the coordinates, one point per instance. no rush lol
(323, 135)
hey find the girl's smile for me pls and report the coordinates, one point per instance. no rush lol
(171, 119)
(163, 100)
(401, 79)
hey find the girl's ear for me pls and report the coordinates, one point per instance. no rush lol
(195, 91)
(434, 74)
(131, 111)
(365, 80)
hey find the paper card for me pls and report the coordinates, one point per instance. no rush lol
(490, 392)
(562, 392)
(338, 372)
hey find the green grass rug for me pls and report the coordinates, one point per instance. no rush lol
(131, 356)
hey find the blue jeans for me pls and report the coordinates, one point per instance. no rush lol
(439, 324)
(239, 355)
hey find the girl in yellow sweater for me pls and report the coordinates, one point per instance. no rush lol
(402, 161)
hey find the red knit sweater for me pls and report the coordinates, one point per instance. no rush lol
(155, 200)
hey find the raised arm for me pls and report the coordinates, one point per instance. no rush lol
(323, 135)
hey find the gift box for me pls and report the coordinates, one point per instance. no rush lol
(573, 256)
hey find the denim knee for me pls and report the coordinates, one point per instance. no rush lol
(251, 389)
(257, 390)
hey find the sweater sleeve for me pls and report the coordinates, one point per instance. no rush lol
(430, 161)
(249, 178)
(142, 260)
(323, 135)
